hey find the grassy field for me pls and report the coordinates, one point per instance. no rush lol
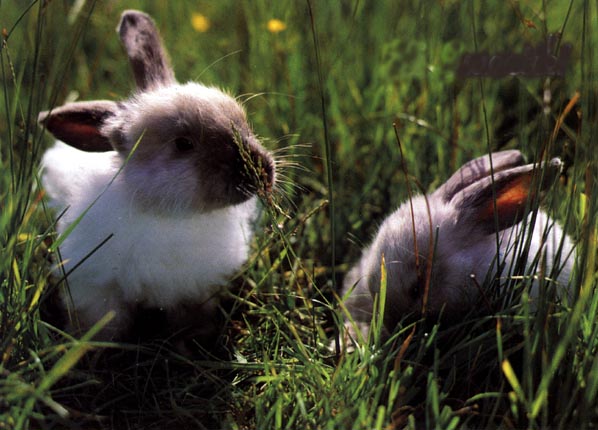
(323, 84)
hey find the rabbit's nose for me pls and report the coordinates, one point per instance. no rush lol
(263, 163)
(268, 171)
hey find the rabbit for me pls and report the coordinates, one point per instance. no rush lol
(456, 247)
(159, 193)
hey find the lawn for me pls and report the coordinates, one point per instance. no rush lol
(331, 88)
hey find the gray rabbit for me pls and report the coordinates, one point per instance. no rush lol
(443, 268)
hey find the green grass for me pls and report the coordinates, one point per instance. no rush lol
(324, 93)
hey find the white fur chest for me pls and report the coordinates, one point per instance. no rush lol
(146, 258)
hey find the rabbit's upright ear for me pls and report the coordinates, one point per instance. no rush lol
(147, 55)
(507, 195)
(477, 169)
(78, 124)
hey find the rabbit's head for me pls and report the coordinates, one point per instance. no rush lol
(440, 248)
(186, 146)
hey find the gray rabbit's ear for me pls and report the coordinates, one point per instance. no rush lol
(79, 124)
(147, 55)
(506, 196)
(477, 169)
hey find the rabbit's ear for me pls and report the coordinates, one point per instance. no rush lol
(513, 190)
(477, 169)
(147, 55)
(78, 124)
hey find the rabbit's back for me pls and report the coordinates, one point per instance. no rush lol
(72, 177)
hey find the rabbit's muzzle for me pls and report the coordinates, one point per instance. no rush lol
(236, 172)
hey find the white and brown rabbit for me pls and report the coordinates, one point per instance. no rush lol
(165, 183)
(439, 249)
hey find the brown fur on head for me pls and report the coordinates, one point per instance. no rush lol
(194, 149)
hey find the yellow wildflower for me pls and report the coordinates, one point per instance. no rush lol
(199, 22)
(276, 26)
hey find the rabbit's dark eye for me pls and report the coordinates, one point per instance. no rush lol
(183, 144)
(414, 291)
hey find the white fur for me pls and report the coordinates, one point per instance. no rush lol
(153, 260)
